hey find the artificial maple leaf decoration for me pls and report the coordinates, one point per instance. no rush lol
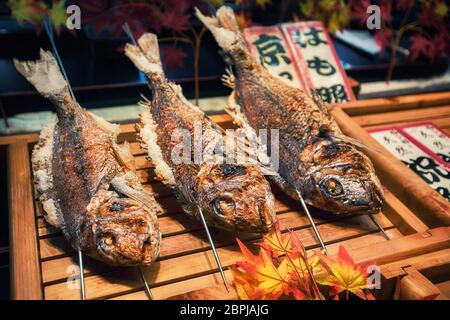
(303, 270)
(269, 281)
(244, 283)
(344, 275)
(277, 243)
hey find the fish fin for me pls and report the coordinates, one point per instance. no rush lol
(355, 142)
(223, 26)
(315, 96)
(145, 56)
(228, 79)
(149, 138)
(124, 155)
(129, 185)
(234, 110)
(41, 160)
(108, 127)
(44, 74)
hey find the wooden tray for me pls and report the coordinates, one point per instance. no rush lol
(414, 216)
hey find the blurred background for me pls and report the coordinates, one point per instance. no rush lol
(407, 54)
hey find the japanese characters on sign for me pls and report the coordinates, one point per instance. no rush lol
(270, 47)
(423, 148)
(303, 55)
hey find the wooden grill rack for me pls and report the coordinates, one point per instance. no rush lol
(415, 217)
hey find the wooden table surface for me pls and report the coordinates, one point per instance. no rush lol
(43, 262)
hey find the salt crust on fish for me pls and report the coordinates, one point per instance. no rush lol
(41, 161)
(149, 141)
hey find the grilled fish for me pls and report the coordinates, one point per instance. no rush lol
(86, 181)
(232, 196)
(317, 160)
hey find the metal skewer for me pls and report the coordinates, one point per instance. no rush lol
(130, 35)
(147, 287)
(49, 29)
(214, 250)
(82, 286)
(313, 224)
(379, 227)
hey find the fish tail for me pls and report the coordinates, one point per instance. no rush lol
(146, 56)
(44, 74)
(224, 28)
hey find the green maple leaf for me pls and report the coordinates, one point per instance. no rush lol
(58, 14)
(263, 3)
(26, 10)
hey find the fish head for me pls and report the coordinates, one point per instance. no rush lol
(345, 183)
(122, 230)
(235, 197)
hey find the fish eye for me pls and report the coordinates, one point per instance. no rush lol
(332, 187)
(107, 240)
(224, 207)
(231, 169)
(116, 206)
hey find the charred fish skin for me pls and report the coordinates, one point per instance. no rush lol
(86, 181)
(232, 197)
(316, 158)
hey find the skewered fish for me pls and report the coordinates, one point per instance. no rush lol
(316, 159)
(86, 181)
(232, 196)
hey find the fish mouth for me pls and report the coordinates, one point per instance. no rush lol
(266, 216)
(115, 250)
(128, 239)
(242, 216)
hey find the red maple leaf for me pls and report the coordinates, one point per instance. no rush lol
(96, 13)
(172, 57)
(386, 10)
(420, 46)
(359, 11)
(175, 16)
(428, 18)
(439, 45)
(383, 38)
(404, 4)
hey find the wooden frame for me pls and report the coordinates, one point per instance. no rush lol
(414, 216)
